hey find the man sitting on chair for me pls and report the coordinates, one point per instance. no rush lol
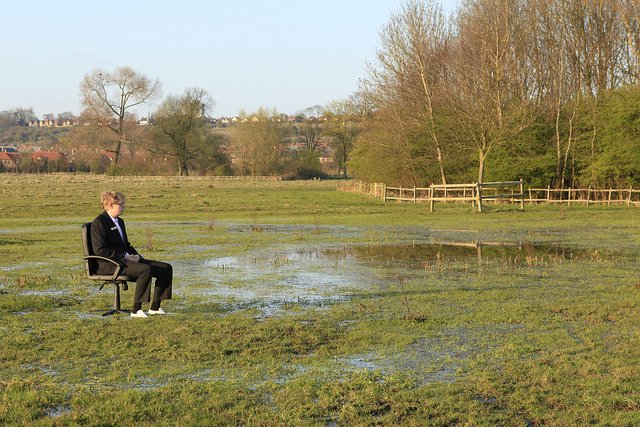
(109, 239)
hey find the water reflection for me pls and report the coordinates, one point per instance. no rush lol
(273, 282)
(424, 254)
(304, 277)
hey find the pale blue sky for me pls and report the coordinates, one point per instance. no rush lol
(282, 54)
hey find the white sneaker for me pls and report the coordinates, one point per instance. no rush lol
(158, 311)
(139, 313)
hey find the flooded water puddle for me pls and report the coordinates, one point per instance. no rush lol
(22, 266)
(44, 292)
(276, 279)
(272, 282)
(58, 411)
(433, 359)
(420, 255)
(47, 370)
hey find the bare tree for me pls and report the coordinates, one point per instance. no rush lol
(67, 116)
(631, 20)
(410, 73)
(482, 80)
(311, 126)
(17, 116)
(181, 123)
(596, 36)
(342, 127)
(420, 35)
(579, 52)
(108, 99)
(557, 85)
(381, 152)
(257, 144)
(491, 91)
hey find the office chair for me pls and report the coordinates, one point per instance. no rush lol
(91, 268)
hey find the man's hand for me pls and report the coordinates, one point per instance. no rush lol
(132, 258)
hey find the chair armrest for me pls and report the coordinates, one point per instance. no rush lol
(116, 263)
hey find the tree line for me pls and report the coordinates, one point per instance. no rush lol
(182, 130)
(546, 90)
(181, 138)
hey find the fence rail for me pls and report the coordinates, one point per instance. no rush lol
(506, 191)
(628, 196)
(476, 193)
(374, 189)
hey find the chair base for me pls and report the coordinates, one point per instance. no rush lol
(116, 298)
(114, 311)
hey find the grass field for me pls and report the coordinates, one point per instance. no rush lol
(295, 304)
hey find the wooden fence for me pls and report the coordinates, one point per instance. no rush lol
(374, 189)
(476, 193)
(627, 196)
(510, 191)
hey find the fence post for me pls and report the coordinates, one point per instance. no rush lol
(609, 198)
(479, 195)
(414, 194)
(629, 197)
(431, 198)
(588, 195)
(521, 195)
(548, 194)
(474, 196)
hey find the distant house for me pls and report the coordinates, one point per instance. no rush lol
(50, 122)
(56, 159)
(9, 160)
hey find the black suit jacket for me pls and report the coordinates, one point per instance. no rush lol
(106, 242)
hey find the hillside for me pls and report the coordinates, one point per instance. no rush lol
(43, 137)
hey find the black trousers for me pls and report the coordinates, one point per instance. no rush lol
(143, 271)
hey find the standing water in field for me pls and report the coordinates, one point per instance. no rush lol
(320, 274)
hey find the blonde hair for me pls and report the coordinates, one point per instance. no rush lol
(109, 198)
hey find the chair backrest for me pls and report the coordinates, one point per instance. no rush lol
(90, 265)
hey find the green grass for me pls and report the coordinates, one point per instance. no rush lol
(543, 340)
